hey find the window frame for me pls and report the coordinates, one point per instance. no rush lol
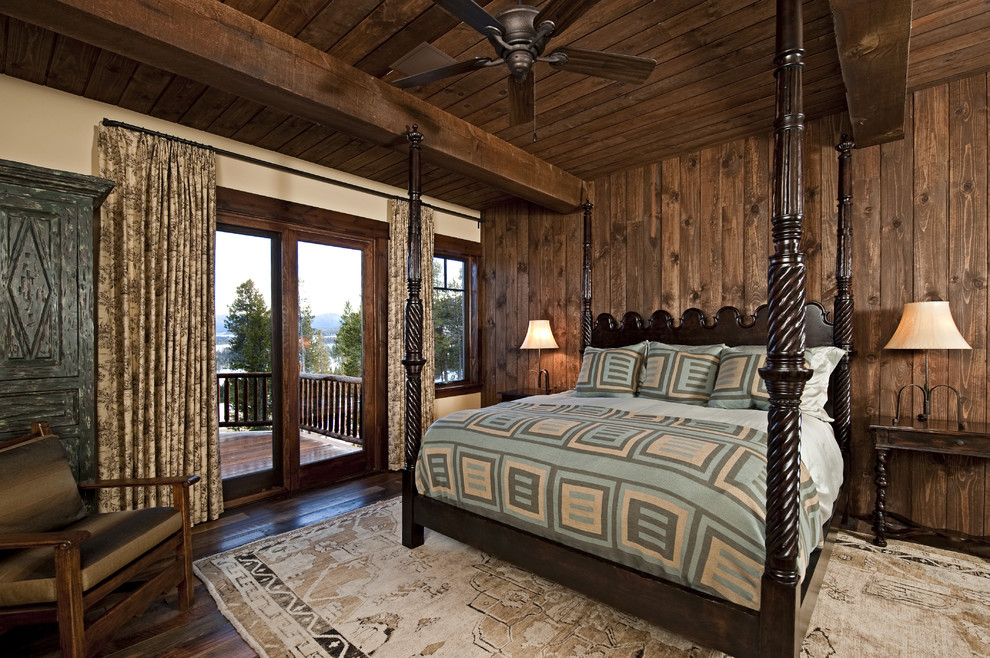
(470, 254)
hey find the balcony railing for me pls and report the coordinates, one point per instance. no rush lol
(328, 404)
(331, 405)
(244, 399)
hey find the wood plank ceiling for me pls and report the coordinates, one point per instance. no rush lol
(712, 82)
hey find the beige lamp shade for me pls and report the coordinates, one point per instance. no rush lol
(927, 326)
(538, 336)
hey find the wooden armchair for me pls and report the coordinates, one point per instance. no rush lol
(60, 563)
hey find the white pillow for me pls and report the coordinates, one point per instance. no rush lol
(822, 361)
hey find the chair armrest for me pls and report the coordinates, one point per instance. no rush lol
(36, 539)
(187, 480)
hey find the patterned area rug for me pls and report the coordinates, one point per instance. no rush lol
(347, 587)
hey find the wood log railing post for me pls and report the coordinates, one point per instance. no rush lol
(412, 533)
(237, 401)
(264, 398)
(586, 320)
(785, 372)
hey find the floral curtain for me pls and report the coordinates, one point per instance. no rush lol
(156, 364)
(398, 246)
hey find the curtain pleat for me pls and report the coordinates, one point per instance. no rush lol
(156, 360)
(398, 246)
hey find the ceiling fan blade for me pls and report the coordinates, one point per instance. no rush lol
(471, 13)
(521, 100)
(563, 13)
(441, 73)
(624, 68)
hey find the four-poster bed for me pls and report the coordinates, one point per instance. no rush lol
(774, 622)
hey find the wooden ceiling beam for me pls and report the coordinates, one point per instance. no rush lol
(219, 46)
(872, 37)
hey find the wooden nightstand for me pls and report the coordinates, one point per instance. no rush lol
(509, 396)
(943, 437)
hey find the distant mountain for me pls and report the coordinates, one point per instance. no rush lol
(327, 322)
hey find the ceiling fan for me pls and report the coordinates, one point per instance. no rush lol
(520, 35)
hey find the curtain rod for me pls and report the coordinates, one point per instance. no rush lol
(289, 170)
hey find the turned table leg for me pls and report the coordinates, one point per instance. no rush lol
(880, 508)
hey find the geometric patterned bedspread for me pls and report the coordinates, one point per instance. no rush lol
(674, 497)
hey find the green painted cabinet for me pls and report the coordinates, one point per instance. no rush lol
(47, 304)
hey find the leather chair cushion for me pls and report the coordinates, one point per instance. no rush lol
(38, 492)
(119, 538)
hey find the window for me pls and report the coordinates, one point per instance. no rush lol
(448, 319)
(455, 316)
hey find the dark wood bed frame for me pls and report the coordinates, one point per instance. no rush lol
(785, 324)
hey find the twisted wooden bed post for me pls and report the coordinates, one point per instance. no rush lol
(412, 533)
(842, 315)
(785, 372)
(586, 279)
(843, 306)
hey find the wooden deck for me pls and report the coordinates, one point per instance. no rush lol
(249, 452)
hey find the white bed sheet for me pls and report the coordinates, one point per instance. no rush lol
(819, 452)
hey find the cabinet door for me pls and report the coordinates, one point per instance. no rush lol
(46, 316)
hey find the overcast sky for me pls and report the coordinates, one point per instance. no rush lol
(329, 276)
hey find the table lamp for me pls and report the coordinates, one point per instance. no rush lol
(539, 337)
(927, 326)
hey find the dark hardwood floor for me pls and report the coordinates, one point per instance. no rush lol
(164, 631)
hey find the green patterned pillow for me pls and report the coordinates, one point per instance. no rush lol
(739, 385)
(610, 373)
(679, 373)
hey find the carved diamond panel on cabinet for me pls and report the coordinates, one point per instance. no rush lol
(35, 282)
(29, 284)
(46, 304)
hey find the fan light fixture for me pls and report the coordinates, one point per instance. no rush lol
(519, 35)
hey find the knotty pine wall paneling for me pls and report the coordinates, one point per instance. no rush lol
(931, 265)
(897, 276)
(694, 231)
(867, 336)
(967, 285)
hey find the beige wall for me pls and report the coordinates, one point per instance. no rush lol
(49, 128)
(444, 406)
